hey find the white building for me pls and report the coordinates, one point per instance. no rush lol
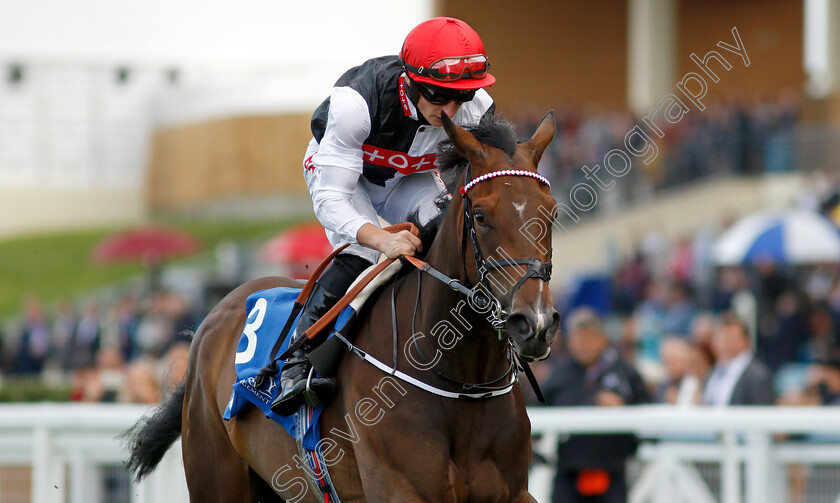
(82, 83)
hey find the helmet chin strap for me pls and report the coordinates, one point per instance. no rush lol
(412, 91)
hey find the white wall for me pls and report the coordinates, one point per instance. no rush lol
(70, 128)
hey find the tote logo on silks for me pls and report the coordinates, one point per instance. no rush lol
(400, 161)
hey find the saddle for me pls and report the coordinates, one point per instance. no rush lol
(326, 357)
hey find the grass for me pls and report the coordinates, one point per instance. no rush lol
(58, 266)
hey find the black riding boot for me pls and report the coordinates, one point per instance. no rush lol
(293, 379)
(329, 288)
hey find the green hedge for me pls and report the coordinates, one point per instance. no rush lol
(32, 390)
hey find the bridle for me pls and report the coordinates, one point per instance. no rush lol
(480, 296)
(536, 267)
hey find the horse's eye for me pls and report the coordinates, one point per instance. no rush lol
(479, 218)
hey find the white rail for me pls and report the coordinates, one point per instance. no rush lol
(66, 443)
(731, 437)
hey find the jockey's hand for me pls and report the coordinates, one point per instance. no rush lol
(392, 244)
(400, 243)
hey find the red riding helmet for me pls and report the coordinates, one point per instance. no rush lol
(446, 52)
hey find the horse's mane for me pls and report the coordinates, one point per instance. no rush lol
(491, 131)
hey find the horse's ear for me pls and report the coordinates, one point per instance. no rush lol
(542, 137)
(461, 139)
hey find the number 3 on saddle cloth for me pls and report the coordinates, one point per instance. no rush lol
(268, 315)
(268, 311)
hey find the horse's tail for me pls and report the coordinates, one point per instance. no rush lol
(151, 436)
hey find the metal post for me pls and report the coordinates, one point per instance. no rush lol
(643, 489)
(84, 487)
(47, 470)
(664, 489)
(176, 471)
(758, 469)
(140, 493)
(730, 470)
(541, 477)
(40, 460)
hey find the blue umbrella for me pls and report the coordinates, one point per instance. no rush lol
(793, 236)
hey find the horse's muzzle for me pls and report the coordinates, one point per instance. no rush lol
(531, 333)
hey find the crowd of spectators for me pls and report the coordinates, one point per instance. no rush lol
(668, 333)
(132, 350)
(671, 315)
(746, 136)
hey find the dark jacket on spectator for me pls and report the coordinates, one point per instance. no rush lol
(571, 386)
(754, 387)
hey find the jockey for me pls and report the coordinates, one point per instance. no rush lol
(373, 154)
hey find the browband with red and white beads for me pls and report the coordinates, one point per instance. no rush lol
(504, 172)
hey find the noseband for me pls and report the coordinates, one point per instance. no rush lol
(536, 268)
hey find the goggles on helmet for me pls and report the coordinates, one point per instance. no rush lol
(451, 69)
(441, 95)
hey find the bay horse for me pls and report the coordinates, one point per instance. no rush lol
(387, 439)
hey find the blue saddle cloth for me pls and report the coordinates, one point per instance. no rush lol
(268, 311)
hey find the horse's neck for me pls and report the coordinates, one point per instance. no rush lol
(478, 355)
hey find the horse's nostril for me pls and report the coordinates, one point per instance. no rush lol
(555, 322)
(519, 326)
(551, 331)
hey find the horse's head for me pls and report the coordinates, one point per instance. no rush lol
(502, 194)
